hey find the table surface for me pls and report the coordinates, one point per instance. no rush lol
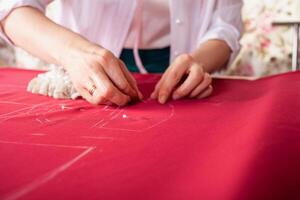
(241, 143)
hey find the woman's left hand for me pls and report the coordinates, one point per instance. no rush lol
(184, 78)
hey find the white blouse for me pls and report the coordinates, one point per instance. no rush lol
(155, 26)
(108, 22)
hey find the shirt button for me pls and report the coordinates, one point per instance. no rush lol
(178, 21)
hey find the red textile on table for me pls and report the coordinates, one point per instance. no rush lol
(241, 143)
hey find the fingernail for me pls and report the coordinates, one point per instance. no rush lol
(176, 96)
(162, 99)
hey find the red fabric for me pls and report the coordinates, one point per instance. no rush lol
(241, 143)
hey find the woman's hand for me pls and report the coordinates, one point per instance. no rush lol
(184, 78)
(98, 75)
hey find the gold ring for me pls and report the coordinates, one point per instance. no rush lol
(92, 90)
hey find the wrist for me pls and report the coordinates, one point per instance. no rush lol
(69, 50)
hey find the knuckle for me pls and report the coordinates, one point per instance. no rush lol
(185, 57)
(106, 53)
(107, 56)
(94, 67)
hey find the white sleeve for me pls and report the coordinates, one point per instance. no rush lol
(6, 6)
(226, 25)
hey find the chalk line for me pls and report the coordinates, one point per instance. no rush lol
(99, 138)
(133, 130)
(47, 177)
(45, 145)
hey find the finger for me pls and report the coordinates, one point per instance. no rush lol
(113, 69)
(172, 77)
(207, 92)
(194, 78)
(106, 89)
(130, 79)
(207, 80)
(154, 94)
(87, 96)
(91, 97)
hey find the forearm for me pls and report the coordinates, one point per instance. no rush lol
(29, 29)
(213, 54)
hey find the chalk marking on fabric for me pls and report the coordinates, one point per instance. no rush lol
(115, 110)
(16, 103)
(15, 86)
(140, 130)
(134, 118)
(95, 125)
(107, 108)
(16, 111)
(112, 118)
(37, 134)
(19, 112)
(115, 115)
(47, 177)
(164, 120)
(45, 145)
(38, 120)
(98, 138)
(62, 107)
(41, 110)
(37, 110)
(122, 129)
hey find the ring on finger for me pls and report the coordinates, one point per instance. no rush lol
(92, 90)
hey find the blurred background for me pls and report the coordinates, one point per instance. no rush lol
(266, 50)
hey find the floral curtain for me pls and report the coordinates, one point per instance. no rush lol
(265, 49)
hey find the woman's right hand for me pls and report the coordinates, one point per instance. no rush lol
(99, 76)
(96, 73)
